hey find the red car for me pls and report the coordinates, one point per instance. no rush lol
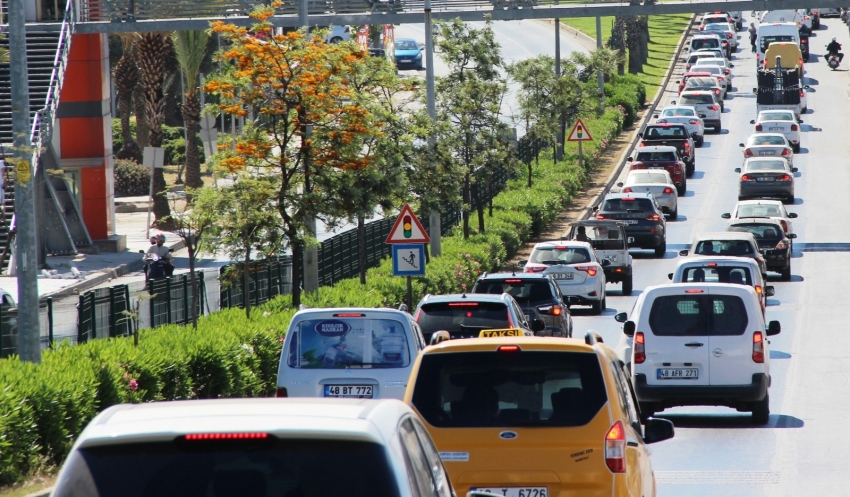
(688, 75)
(661, 157)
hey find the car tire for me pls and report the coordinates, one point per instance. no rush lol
(761, 411)
(699, 141)
(690, 168)
(599, 306)
(627, 285)
(335, 39)
(674, 214)
(785, 274)
(661, 249)
(681, 191)
(788, 200)
(795, 148)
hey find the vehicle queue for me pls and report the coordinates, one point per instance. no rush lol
(492, 396)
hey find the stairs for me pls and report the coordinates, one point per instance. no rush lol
(41, 52)
(6, 220)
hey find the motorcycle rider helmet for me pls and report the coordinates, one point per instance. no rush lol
(833, 38)
(160, 237)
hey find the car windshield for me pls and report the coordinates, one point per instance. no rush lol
(643, 177)
(348, 343)
(724, 247)
(767, 40)
(628, 204)
(605, 237)
(698, 315)
(697, 99)
(697, 44)
(550, 255)
(406, 45)
(720, 26)
(268, 466)
(502, 389)
(700, 55)
(709, 62)
(660, 131)
(759, 211)
(523, 290)
(757, 140)
(717, 274)
(776, 116)
(766, 165)
(656, 156)
(467, 317)
(678, 112)
(767, 231)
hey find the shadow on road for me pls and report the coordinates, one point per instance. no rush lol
(741, 420)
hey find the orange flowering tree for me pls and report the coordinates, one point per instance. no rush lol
(308, 120)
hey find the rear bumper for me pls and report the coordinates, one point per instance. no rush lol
(712, 123)
(767, 189)
(684, 395)
(616, 274)
(646, 240)
(776, 260)
(580, 293)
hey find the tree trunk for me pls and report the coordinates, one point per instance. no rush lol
(361, 247)
(466, 205)
(529, 174)
(129, 149)
(644, 39)
(193, 280)
(297, 260)
(246, 280)
(142, 133)
(192, 118)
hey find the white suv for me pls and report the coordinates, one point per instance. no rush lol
(699, 344)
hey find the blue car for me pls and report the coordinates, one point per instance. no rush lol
(408, 55)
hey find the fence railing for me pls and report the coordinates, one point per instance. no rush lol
(266, 280)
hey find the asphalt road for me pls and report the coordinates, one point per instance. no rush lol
(716, 450)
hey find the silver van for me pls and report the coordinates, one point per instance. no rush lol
(355, 353)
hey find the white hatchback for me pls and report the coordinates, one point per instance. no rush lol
(780, 121)
(772, 209)
(254, 447)
(657, 182)
(687, 115)
(699, 344)
(576, 268)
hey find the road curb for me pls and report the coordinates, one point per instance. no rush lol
(41, 493)
(588, 41)
(588, 208)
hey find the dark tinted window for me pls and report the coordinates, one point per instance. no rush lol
(701, 83)
(502, 389)
(705, 43)
(698, 315)
(658, 156)
(524, 291)
(216, 468)
(765, 231)
(724, 274)
(467, 317)
(696, 99)
(560, 255)
(625, 204)
(767, 40)
(665, 132)
(724, 247)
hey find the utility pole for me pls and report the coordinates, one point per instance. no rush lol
(311, 253)
(600, 80)
(559, 149)
(26, 252)
(431, 104)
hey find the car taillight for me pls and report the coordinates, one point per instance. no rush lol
(758, 127)
(794, 127)
(800, 62)
(661, 121)
(786, 151)
(784, 177)
(590, 270)
(640, 348)
(747, 178)
(729, 35)
(784, 226)
(668, 190)
(781, 245)
(534, 269)
(727, 71)
(758, 347)
(687, 145)
(653, 217)
(281, 392)
(615, 448)
(747, 153)
(601, 216)
(720, 78)
(642, 144)
(552, 310)
(693, 121)
(626, 190)
(713, 107)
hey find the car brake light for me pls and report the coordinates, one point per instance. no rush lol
(615, 448)
(781, 245)
(712, 264)
(560, 247)
(687, 145)
(281, 392)
(747, 153)
(661, 121)
(692, 121)
(463, 304)
(729, 35)
(534, 269)
(626, 190)
(786, 151)
(350, 315)
(627, 199)
(694, 290)
(640, 348)
(746, 178)
(758, 347)
(508, 348)
(653, 217)
(727, 71)
(794, 127)
(784, 226)
(642, 144)
(590, 270)
(784, 177)
(513, 281)
(758, 127)
(668, 190)
(226, 436)
(553, 310)
(713, 107)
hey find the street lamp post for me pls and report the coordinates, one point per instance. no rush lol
(431, 104)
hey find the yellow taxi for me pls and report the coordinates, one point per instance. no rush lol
(524, 416)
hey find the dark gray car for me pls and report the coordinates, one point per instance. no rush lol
(537, 294)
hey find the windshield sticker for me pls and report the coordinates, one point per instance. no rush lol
(332, 328)
(361, 343)
(455, 456)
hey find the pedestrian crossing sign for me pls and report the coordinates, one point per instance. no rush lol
(580, 133)
(408, 260)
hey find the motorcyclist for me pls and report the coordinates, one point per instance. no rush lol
(157, 253)
(753, 35)
(834, 48)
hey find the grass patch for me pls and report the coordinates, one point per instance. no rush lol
(664, 33)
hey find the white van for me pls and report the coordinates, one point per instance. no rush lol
(700, 344)
(772, 32)
(348, 353)
(789, 15)
(737, 270)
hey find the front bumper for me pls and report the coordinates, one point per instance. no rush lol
(703, 395)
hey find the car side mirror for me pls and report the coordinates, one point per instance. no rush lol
(773, 328)
(703, 116)
(792, 235)
(657, 430)
(678, 82)
(605, 263)
(655, 116)
(792, 215)
(522, 263)
(620, 184)
(799, 121)
(683, 252)
(629, 158)
(621, 317)
(670, 276)
(439, 336)
(807, 87)
(741, 145)
(737, 169)
(731, 65)
(755, 92)
(537, 325)
(672, 102)
(753, 121)
(794, 169)
(630, 240)
(769, 291)
(141, 251)
(629, 328)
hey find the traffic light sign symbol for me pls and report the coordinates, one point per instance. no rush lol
(579, 131)
(408, 227)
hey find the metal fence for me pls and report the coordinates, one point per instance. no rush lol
(266, 280)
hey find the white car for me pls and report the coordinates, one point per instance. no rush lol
(375, 347)
(695, 57)
(723, 64)
(780, 121)
(773, 209)
(699, 344)
(725, 29)
(576, 268)
(737, 270)
(704, 102)
(768, 145)
(657, 182)
(714, 51)
(255, 447)
(338, 34)
(687, 115)
(717, 72)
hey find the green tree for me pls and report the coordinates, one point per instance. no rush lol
(126, 76)
(4, 53)
(191, 49)
(537, 84)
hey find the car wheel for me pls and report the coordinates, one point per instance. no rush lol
(761, 411)
(681, 190)
(661, 249)
(599, 306)
(788, 200)
(699, 141)
(627, 285)
(336, 39)
(690, 168)
(795, 148)
(674, 214)
(785, 274)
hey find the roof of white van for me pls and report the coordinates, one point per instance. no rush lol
(722, 260)
(690, 288)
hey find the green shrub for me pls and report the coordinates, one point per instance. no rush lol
(131, 179)
(174, 143)
(117, 140)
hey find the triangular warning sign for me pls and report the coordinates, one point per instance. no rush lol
(407, 228)
(580, 133)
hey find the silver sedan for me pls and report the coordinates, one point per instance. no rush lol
(768, 145)
(764, 177)
(657, 182)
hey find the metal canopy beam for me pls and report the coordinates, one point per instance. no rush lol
(465, 14)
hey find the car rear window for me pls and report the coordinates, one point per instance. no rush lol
(254, 467)
(644, 177)
(560, 255)
(708, 21)
(724, 247)
(767, 140)
(766, 165)
(627, 205)
(605, 237)
(759, 211)
(504, 389)
(678, 112)
(767, 40)
(468, 318)
(720, 24)
(654, 132)
(697, 99)
(776, 116)
(657, 156)
(765, 231)
(698, 315)
(701, 82)
(523, 290)
(717, 274)
(340, 343)
(704, 43)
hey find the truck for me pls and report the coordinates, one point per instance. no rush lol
(780, 88)
(671, 135)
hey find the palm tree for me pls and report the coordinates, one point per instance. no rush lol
(152, 52)
(126, 77)
(191, 48)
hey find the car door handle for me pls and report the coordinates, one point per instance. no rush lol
(694, 344)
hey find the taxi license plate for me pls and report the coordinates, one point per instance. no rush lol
(776, 129)
(678, 373)
(562, 276)
(349, 391)
(767, 152)
(765, 178)
(515, 491)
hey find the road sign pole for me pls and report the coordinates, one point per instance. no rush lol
(409, 294)
(580, 158)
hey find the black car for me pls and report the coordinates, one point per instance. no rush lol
(774, 244)
(537, 294)
(645, 221)
(466, 315)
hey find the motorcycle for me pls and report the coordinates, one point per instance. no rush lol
(832, 60)
(156, 267)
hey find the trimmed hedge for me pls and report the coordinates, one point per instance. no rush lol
(44, 407)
